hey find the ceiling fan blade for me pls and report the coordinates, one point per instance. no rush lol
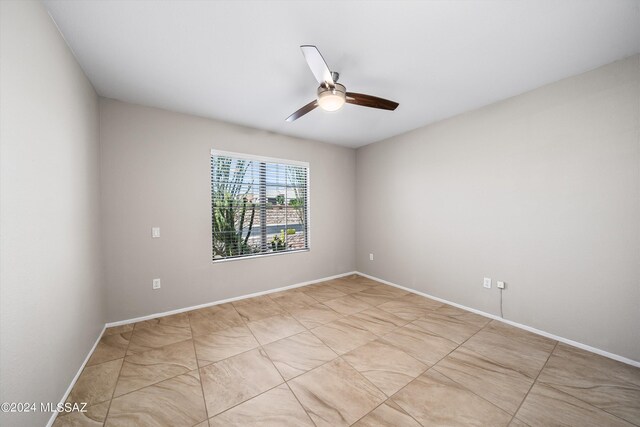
(317, 64)
(304, 110)
(370, 101)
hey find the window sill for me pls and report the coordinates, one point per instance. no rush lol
(270, 254)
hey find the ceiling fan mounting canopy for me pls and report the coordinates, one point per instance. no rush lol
(331, 94)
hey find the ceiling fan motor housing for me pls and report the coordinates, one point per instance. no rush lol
(332, 99)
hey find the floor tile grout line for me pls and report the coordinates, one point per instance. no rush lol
(535, 380)
(300, 403)
(228, 357)
(285, 309)
(157, 382)
(399, 327)
(175, 376)
(431, 333)
(432, 367)
(362, 375)
(256, 338)
(470, 337)
(319, 366)
(338, 356)
(385, 394)
(61, 414)
(394, 346)
(481, 356)
(474, 393)
(325, 343)
(406, 412)
(309, 329)
(376, 407)
(306, 306)
(246, 400)
(583, 401)
(407, 385)
(198, 367)
(195, 352)
(326, 363)
(316, 367)
(342, 316)
(118, 377)
(385, 403)
(457, 347)
(296, 290)
(385, 333)
(259, 347)
(452, 318)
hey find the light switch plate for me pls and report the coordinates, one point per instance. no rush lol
(370, 257)
(155, 232)
(487, 282)
(156, 284)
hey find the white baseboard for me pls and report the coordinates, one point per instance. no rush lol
(509, 322)
(209, 304)
(73, 381)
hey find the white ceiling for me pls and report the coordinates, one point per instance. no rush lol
(240, 61)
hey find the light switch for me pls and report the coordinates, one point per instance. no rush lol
(155, 232)
(156, 284)
(487, 282)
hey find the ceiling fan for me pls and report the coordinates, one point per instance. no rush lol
(331, 94)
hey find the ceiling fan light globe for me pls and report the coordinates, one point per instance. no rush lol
(332, 99)
(330, 102)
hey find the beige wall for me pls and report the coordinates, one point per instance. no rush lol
(541, 191)
(156, 172)
(51, 297)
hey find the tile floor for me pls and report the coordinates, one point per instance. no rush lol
(349, 351)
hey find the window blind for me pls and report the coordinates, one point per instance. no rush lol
(259, 205)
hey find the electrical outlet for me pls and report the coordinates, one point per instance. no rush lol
(487, 282)
(500, 285)
(155, 232)
(156, 284)
(370, 257)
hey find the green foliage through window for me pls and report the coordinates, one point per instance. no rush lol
(257, 207)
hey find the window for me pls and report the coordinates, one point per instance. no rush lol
(259, 205)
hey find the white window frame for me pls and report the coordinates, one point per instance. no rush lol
(252, 157)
